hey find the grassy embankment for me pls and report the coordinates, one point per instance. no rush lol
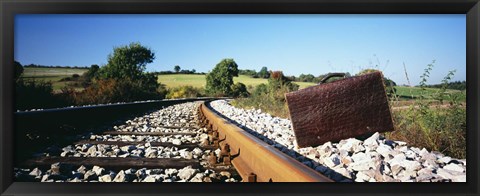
(53, 75)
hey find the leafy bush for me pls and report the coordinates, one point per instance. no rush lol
(123, 79)
(91, 73)
(18, 70)
(36, 94)
(184, 92)
(220, 79)
(261, 89)
(278, 85)
(239, 90)
(65, 79)
(270, 97)
(262, 101)
(112, 90)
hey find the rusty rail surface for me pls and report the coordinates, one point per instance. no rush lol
(255, 160)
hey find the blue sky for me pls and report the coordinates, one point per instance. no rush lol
(294, 44)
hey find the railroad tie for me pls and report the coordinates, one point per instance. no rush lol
(146, 133)
(116, 163)
(153, 144)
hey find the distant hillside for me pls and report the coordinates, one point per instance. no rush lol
(56, 66)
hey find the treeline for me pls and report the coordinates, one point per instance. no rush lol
(180, 72)
(456, 85)
(56, 66)
(263, 73)
(312, 78)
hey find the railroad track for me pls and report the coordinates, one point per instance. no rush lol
(163, 146)
(184, 142)
(255, 160)
(190, 141)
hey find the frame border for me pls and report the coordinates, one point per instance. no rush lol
(8, 9)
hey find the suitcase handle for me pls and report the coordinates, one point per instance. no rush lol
(329, 75)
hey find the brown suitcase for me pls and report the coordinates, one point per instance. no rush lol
(350, 107)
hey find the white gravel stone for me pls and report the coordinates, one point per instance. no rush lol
(459, 178)
(120, 177)
(411, 165)
(186, 173)
(397, 159)
(372, 141)
(176, 142)
(171, 172)
(384, 150)
(90, 175)
(36, 172)
(105, 178)
(361, 177)
(445, 160)
(98, 170)
(332, 161)
(149, 179)
(454, 167)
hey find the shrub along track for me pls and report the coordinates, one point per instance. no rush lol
(168, 145)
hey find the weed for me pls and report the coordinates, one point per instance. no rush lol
(185, 92)
(427, 123)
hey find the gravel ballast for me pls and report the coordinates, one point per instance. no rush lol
(176, 118)
(374, 159)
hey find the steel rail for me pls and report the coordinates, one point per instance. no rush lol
(255, 160)
(49, 126)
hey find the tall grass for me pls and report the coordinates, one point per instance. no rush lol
(269, 97)
(435, 120)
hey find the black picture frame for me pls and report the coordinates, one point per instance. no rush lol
(8, 9)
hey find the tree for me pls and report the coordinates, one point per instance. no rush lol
(277, 80)
(18, 70)
(92, 72)
(263, 73)
(220, 79)
(306, 78)
(176, 68)
(124, 74)
(128, 62)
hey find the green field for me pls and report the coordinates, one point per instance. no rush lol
(43, 72)
(170, 80)
(51, 75)
(175, 80)
(406, 93)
